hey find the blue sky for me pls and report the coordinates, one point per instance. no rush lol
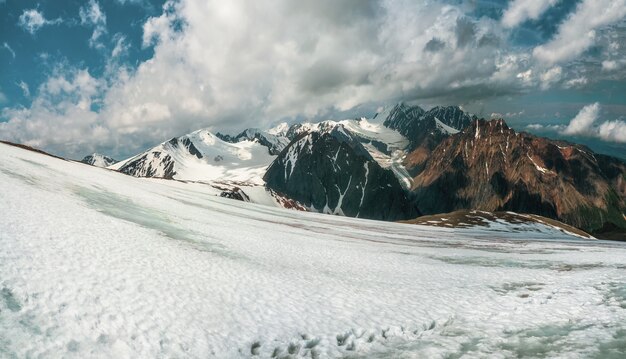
(31, 57)
(118, 76)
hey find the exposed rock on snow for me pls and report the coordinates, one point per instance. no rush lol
(507, 221)
(98, 160)
(332, 172)
(200, 156)
(273, 139)
(427, 128)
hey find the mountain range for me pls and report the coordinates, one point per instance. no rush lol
(403, 163)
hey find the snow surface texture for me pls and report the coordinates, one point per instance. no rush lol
(97, 264)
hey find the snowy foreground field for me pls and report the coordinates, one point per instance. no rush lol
(97, 264)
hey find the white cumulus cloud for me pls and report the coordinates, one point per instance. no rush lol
(584, 124)
(92, 15)
(578, 32)
(32, 20)
(576, 82)
(584, 120)
(230, 66)
(236, 64)
(522, 10)
(614, 131)
(61, 117)
(551, 76)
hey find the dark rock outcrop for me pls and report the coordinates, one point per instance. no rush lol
(153, 164)
(98, 160)
(29, 148)
(331, 172)
(235, 193)
(425, 129)
(274, 143)
(158, 162)
(404, 119)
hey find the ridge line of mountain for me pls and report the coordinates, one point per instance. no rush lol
(404, 162)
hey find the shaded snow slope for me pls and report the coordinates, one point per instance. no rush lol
(97, 264)
(385, 145)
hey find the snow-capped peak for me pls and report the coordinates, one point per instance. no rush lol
(279, 130)
(98, 160)
(201, 156)
(274, 142)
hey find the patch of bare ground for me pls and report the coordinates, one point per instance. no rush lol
(30, 149)
(471, 218)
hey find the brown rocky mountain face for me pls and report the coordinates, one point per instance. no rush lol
(490, 167)
(425, 129)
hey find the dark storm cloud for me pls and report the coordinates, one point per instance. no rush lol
(434, 45)
(337, 13)
(465, 31)
(468, 94)
(325, 76)
(489, 40)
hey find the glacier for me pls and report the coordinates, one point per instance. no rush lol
(94, 263)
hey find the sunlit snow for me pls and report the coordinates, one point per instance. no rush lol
(94, 263)
(245, 161)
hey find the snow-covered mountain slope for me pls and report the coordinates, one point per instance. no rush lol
(381, 142)
(98, 160)
(442, 127)
(279, 130)
(97, 264)
(274, 139)
(385, 145)
(201, 156)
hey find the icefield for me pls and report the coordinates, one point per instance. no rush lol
(96, 264)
